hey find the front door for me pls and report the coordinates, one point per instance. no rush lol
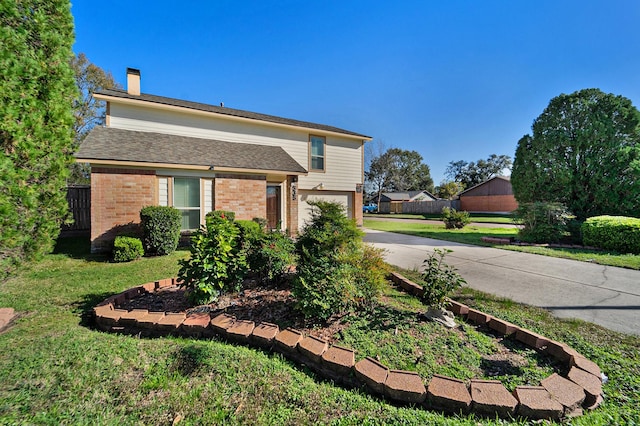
(273, 207)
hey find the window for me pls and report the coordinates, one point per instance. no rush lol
(317, 152)
(186, 198)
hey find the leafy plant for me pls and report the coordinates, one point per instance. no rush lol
(543, 222)
(274, 256)
(440, 279)
(160, 229)
(217, 264)
(126, 249)
(454, 219)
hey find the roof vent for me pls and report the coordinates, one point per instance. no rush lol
(133, 81)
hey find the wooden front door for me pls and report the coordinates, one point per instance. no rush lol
(273, 207)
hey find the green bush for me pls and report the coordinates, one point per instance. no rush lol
(336, 273)
(440, 279)
(274, 257)
(455, 219)
(617, 233)
(542, 222)
(160, 229)
(217, 264)
(126, 249)
(223, 214)
(261, 221)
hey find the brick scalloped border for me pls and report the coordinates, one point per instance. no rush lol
(556, 397)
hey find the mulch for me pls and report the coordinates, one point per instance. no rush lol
(256, 302)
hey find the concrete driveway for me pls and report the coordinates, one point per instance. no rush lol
(604, 295)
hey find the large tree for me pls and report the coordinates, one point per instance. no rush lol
(88, 111)
(584, 153)
(398, 170)
(474, 173)
(36, 125)
(449, 189)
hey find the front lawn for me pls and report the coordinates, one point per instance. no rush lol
(473, 235)
(56, 369)
(475, 217)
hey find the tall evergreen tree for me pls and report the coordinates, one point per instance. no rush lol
(37, 90)
(584, 153)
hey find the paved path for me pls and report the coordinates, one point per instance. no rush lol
(7, 315)
(604, 295)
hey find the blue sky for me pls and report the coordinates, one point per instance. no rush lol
(453, 80)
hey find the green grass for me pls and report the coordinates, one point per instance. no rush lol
(56, 369)
(468, 235)
(473, 235)
(475, 217)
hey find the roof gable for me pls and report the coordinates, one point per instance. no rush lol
(224, 111)
(486, 182)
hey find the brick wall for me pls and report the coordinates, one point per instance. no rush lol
(357, 208)
(490, 203)
(244, 195)
(117, 195)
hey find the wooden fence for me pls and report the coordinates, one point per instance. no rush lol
(79, 199)
(418, 207)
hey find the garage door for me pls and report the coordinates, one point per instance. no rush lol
(304, 209)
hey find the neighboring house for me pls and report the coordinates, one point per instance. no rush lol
(198, 158)
(492, 196)
(391, 202)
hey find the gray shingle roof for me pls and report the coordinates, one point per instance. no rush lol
(104, 143)
(226, 111)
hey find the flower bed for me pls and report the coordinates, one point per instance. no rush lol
(555, 398)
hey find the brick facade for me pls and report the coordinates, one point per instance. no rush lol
(488, 203)
(117, 195)
(357, 208)
(244, 195)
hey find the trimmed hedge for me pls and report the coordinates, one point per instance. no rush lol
(617, 233)
(126, 249)
(160, 229)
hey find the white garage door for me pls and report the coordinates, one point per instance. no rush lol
(304, 209)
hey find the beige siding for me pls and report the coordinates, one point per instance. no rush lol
(343, 157)
(163, 191)
(207, 188)
(304, 209)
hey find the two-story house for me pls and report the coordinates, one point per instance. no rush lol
(155, 150)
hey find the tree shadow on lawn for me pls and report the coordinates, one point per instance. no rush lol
(78, 248)
(84, 308)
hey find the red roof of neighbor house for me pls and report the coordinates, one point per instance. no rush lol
(473, 188)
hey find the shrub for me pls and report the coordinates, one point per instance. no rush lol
(542, 222)
(440, 279)
(455, 219)
(335, 272)
(126, 249)
(274, 256)
(160, 229)
(217, 264)
(223, 214)
(261, 221)
(617, 233)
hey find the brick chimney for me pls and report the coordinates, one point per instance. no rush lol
(133, 81)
